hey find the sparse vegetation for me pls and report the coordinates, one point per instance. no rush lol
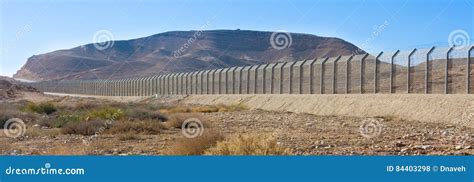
(176, 120)
(38, 132)
(84, 128)
(63, 120)
(248, 144)
(41, 108)
(128, 136)
(144, 114)
(204, 109)
(143, 127)
(105, 113)
(195, 146)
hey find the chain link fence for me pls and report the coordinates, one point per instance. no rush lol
(422, 71)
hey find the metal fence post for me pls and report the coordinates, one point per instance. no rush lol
(240, 79)
(362, 73)
(208, 72)
(256, 79)
(391, 70)
(264, 82)
(409, 70)
(291, 77)
(272, 82)
(248, 79)
(233, 79)
(323, 70)
(311, 76)
(334, 74)
(468, 71)
(301, 70)
(201, 83)
(282, 68)
(427, 70)
(446, 71)
(197, 86)
(213, 81)
(376, 67)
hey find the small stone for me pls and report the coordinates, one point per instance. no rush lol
(36, 126)
(459, 147)
(426, 147)
(468, 147)
(399, 144)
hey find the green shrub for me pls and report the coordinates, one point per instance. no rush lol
(144, 127)
(143, 114)
(41, 108)
(106, 113)
(63, 120)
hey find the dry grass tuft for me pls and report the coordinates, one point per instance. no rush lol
(176, 120)
(84, 128)
(204, 108)
(128, 136)
(248, 144)
(143, 127)
(195, 146)
(38, 132)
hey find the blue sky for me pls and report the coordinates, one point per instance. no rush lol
(30, 27)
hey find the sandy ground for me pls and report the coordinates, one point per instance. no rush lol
(454, 109)
(304, 134)
(337, 125)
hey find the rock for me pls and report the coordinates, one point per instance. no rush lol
(424, 147)
(36, 126)
(468, 147)
(399, 144)
(459, 147)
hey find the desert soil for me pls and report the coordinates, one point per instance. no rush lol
(304, 134)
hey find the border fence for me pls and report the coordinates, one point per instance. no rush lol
(423, 71)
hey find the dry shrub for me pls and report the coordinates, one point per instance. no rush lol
(86, 105)
(176, 109)
(248, 144)
(144, 114)
(231, 108)
(176, 120)
(128, 136)
(41, 108)
(84, 128)
(195, 146)
(144, 127)
(38, 132)
(204, 109)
